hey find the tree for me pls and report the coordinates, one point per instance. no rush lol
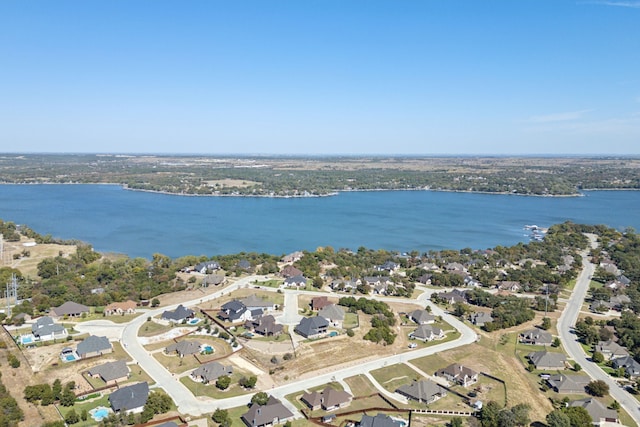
(558, 418)
(578, 416)
(577, 367)
(521, 414)
(155, 302)
(597, 357)
(71, 417)
(57, 389)
(248, 382)
(489, 414)
(223, 382)
(68, 398)
(597, 388)
(546, 323)
(260, 398)
(221, 416)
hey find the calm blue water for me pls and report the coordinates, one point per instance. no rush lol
(140, 224)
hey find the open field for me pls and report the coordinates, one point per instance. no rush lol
(28, 266)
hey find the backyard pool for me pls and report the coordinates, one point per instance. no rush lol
(99, 413)
(207, 349)
(26, 339)
(194, 321)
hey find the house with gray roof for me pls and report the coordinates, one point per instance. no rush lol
(459, 374)
(547, 360)
(312, 327)
(130, 399)
(45, 329)
(295, 281)
(183, 348)
(562, 383)
(536, 336)
(598, 412)
(111, 372)
(427, 333)
(93, 346)
(334, 314)
(480, 318)
(235, 311)
(619, 302)
(70, 309)
(421, 317)
(210, 372)
(270, 414)
(206, 267)
(611, 349)
(424, 391)
(380, 420)
(631, 367)
(178, 315)
(254, 302)
(452, 297)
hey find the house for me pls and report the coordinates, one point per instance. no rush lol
(292, 257)
(130, 399)
(235, 311)
(631, 367)
(423, 391)
(547, 360)
(206, 267)
(183, 348)
(328, 399)
(344, 285)
(264, 325)
(562, 383)
(452, 297)
(178, 315)
(270, 414)
(459, 374)
(480, 318)
(454, 266)
(295, 281)
(70, 309)
(254, 302)
(111, 372)
(427, 333)
(600, 306)
(619, 302)
(334, 314)
(319, 302)
(425, 279)
(389, 266)
(93, 346)
(210, 372)
(45, 329)
(312, 327)
(611, 349)
(422, 317)
(24, 317)
(536, 336)
(598, 412)
(244, 264)
(290, 271)
(213, 280)
(121, 308)
(509, 286)
(380, 420)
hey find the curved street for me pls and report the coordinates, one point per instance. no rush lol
(574, 349)
(187, 403)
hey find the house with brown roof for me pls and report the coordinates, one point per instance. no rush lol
(328, 399)
(120, 308)
(459, 374)
(290, 271)
(319, 302)
(264, 325)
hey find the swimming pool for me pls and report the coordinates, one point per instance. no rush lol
(70, 357)
(207, 349)
(99, 413)
(26, 339)
(194, 321)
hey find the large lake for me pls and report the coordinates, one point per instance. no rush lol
(140, 224)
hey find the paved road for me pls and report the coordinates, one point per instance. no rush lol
(189, 404)
(574, 349)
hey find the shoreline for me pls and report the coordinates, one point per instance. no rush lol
(331, 194)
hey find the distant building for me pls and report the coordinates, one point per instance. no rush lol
(70, 309)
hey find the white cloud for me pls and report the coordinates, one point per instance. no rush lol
(629, 4)
(558, 117)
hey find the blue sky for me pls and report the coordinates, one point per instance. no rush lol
(320, 77)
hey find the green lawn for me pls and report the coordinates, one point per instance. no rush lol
(151, 328)
(350, 321)
(393, 376)
(360, 385)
